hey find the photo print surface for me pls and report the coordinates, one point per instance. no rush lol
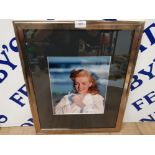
(78, 84)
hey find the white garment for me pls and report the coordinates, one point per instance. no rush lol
(94, 104)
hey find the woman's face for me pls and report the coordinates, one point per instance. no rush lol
(82, 84)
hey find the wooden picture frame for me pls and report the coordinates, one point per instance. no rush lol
(50, 50)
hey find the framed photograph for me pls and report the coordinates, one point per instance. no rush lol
(78, 73)
(78, 79)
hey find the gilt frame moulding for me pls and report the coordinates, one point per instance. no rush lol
(51, 50)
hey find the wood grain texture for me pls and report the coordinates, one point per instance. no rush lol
(147, 128)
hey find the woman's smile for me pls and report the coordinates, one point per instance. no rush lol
(82, 84)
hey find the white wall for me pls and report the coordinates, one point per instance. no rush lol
(145, 93)
(13, 114)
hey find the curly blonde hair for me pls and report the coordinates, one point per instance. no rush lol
(80, 73)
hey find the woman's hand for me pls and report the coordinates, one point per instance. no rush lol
(78, 100)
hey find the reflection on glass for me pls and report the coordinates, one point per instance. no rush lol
(43, 43)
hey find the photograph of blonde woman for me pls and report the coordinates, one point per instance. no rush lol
(79, 90)
(85, 98)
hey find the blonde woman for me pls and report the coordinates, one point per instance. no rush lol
(85, 99)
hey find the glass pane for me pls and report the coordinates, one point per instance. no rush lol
(77, 45)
